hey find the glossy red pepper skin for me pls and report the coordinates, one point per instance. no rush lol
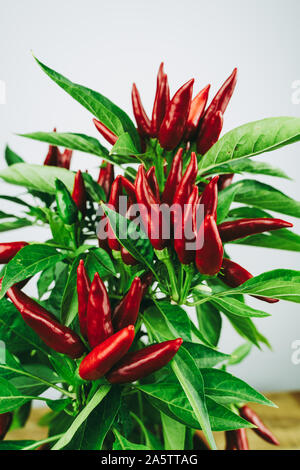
(209, 256)
(209, 133)
(52, 155)
(152, 180)
(209, 198)
(104, 356)
(5, 422)
(196, 112)
(161, 101)
(79, 192)
(262, 431)
(234, 275)
(225, 181)
(241, 228)
(106, 177)
(142, 120)
(184, 253)
(115, 193)
(126, 312)
(83, 289)
(9, 249)
(99, 325)
(139, 364)
(129, 189)
(221, 99)
(187, 182)
(64, 159)
(150, 212)
(241, 439)
(58, 337)
(174, 178)
(105, 132)
(127, 257)
(173, 126)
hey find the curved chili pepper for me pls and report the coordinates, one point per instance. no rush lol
(152, 180)
(234, 275)
(209, 133)
(221, 99)
(126, 312)
(64, 159)
(106, 177)
(187, 182)
(5, 422)
(115, 193)
(66, 207)
(52, 155)
(172, 128)
(196, 112)
(58, 337)
(150, 212)
(209, 256)
(241, 439)
(248, 414)
(161, 101)
(241, 228)
(79, 192)
(225, 181)
(104, 356)
(174, 178)
(139, 364)
(9, 249)
(185, 255)
(209, 198)
(105, 132)
(99, 325)
(142, 120)
(129, 189)
(127, 257)
(83, 288)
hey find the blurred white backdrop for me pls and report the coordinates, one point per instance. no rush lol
(107, 46)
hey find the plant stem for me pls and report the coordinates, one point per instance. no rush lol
(189, 270)
(44, 441)
(164, 256)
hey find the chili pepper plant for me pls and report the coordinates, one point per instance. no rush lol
(107, 328)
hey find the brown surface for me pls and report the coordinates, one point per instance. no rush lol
(284, 422)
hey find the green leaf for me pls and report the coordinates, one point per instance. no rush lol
(227, 389)
(82, 416)
(235, 307)
(171, 321)
(173, 432)
(251, 139)
(11, 157)
(14, 224)
(10, 397)
(263, 196)
(240, 353)
(225, 199)
(44, 281)
(282, 239)
(37, 177)
(29, 261)
(124, 147)
(250, 166)
(203, 356)
(107, 112)
(121, 443)
(209, 321)
(15, 445)
(245, 328)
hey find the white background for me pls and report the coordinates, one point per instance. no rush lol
(107, 46)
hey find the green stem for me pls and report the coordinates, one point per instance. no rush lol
(159, 168)
(164, 256)
(44, 441)
(189, 270)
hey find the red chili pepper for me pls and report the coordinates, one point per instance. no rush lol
(99, 325)
(5, 422)
(105, 132)
(79, 192)
(221, 99)
(139, 364)
(129, 189)
(146, 280)
(230, 443)
(150, 213)
(58, 337)
(142, 120)
(241, 439)
(173, 125)
(115, 193)
(209, 198)
(9, 249)
(209, 256)
(83, 288)
(209, 133)
(64, 159)
(225, 181)
(174, 178)
(186, 255)
(241, 228)
(127, 257)
(52, 155)
(104, 356)
(161, 101)
(106, 177)
(187, 182)
(126, 312)
(248, 414)
(234, 275)
(152, 180)
(196, 112)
